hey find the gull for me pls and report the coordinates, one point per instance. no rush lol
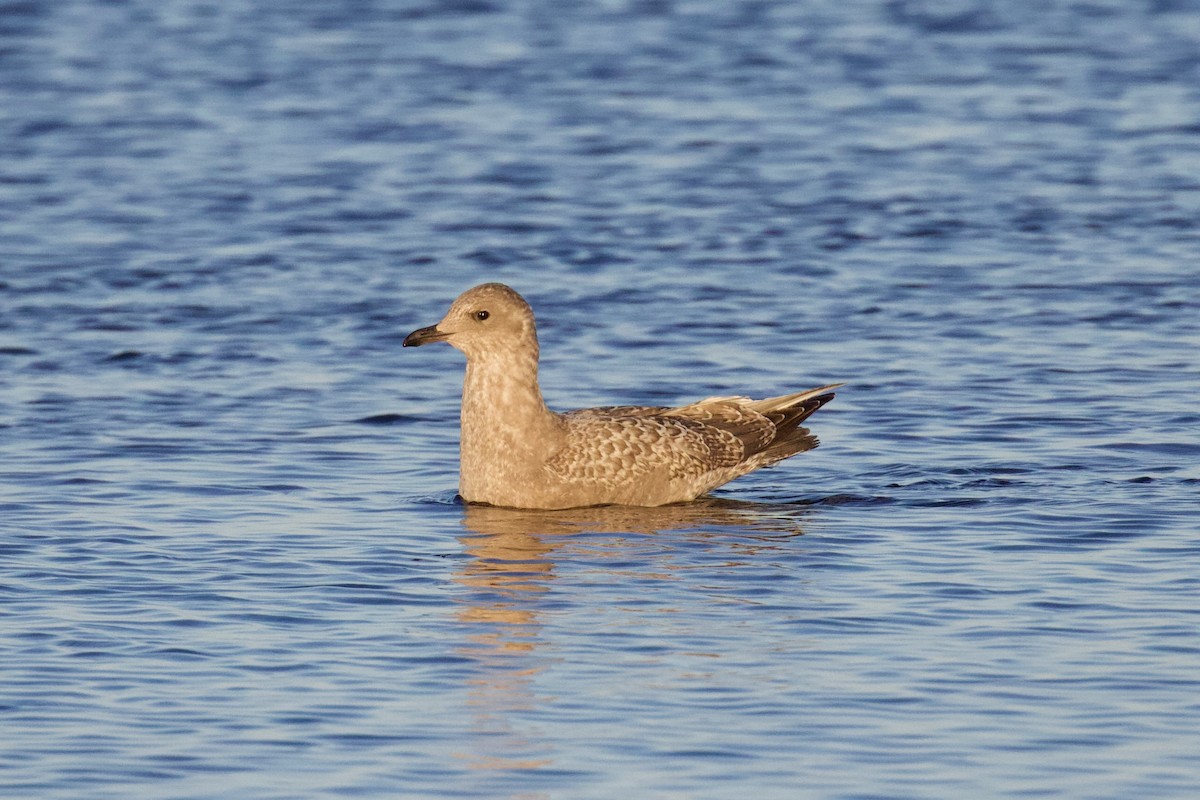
(516, 452)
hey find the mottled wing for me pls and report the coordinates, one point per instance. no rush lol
(733, 416)
(609, 412)
(611, 449)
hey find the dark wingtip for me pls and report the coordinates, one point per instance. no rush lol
(809, 407)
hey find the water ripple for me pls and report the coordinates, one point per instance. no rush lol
(230, 541)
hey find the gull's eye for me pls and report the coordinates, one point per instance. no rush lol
(481, 315)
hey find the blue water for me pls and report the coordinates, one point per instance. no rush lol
(231, 559)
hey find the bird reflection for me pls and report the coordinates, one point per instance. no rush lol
(512, 568)
(710, 513)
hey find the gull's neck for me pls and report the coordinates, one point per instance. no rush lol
(507, 430)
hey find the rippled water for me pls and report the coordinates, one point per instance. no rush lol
(231, 559)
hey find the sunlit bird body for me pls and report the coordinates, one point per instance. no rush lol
(514, 451)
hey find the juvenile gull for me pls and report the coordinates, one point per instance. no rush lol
(516, 452)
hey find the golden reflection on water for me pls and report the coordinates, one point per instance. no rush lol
(706, 514)
(512, 566)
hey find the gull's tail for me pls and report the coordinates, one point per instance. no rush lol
(787, 412)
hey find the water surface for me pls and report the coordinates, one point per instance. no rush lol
(232, 563)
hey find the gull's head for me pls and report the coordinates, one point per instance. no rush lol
(489, 318)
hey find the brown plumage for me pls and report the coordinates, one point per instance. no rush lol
(516, 452)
